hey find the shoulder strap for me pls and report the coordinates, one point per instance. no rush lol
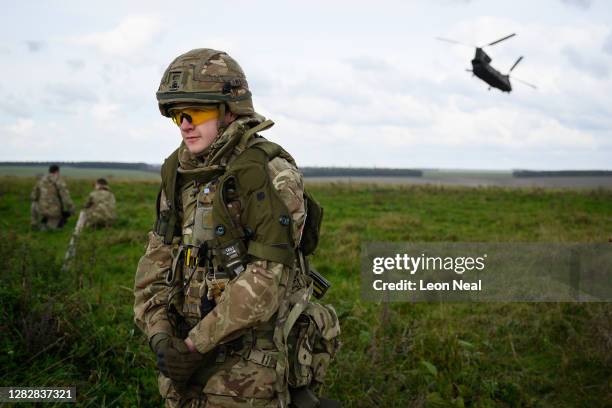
(271, 149)
(248, 136)
(166, 222)
(168, 174)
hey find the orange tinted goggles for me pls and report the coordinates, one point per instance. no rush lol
(194, 116)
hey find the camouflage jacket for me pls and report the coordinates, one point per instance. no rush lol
(100, 207)
(249, 300)
(52, 196)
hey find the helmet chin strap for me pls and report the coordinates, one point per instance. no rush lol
(221, 122)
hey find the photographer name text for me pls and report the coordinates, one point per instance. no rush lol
(420, 285)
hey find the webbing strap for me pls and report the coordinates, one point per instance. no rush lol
(168, 174)
(172, 272)
(296, 311)
(262, 358)
(244, 140)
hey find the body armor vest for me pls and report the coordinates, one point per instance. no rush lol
(219, 218)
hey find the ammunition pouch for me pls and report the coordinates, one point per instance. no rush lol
(312, 343)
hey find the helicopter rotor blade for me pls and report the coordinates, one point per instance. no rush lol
(524, 82)
(501, 39)
(453, 42)
(516, 63)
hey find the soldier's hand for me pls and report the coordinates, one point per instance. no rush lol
(174, 359)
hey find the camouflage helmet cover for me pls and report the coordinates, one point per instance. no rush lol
(205, 76)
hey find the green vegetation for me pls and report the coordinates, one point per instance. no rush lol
(62, 329)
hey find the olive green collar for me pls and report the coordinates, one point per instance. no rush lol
(213, 156)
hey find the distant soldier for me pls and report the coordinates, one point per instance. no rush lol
(100, 206)
(51, 202)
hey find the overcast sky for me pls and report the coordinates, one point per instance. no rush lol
(348, 83)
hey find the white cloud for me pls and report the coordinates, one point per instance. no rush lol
(607, 46)
(105, 111)
(35, 46)
(26, 139)
(583, 4)
(22, 127)
(129, 36)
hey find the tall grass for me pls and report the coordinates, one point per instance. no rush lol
(75, 328)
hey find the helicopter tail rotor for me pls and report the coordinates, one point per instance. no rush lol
(516, 63)
(516, 79)
(501, 39)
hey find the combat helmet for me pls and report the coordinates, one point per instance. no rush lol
(205, 76)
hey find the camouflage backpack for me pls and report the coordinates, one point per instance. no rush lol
(312, 344)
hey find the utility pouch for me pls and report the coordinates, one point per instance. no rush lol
(312, 344)
(202, 229)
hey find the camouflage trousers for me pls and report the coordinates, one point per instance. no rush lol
(235, 382)
(42, 223)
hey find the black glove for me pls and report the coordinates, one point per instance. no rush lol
(174, 359)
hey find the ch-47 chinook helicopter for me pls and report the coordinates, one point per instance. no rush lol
(481, 67)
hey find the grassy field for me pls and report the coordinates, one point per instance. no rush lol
(62, 329)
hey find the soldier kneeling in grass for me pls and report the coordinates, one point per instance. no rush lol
(100, 206)
(51, 202)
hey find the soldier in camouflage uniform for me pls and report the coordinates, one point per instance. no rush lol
(51, 202)
(223, 281)
(100, 206)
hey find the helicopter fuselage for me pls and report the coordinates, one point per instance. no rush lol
(481, 67)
